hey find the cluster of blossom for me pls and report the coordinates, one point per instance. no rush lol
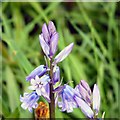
(66, 97)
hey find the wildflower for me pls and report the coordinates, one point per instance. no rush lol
(39, 71)
(65, 94)
(63, 54)
(41, 86)
(89, 106)
(49, 39)
(29, 101)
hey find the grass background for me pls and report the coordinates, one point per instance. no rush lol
(94, 29)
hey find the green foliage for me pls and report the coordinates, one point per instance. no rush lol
(93, 27)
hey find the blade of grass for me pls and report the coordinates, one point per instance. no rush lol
(19, 55)
(12, 89)
(89, 23)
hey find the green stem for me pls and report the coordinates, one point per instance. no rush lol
(52, 103)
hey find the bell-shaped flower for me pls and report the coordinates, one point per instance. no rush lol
(41, 86)
(86, 109)
(49, 39)
(63, 54)
(56, 74)
(29, 101)
(39, 71)
(96, 99)
(65, 99)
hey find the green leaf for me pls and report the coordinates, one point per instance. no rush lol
(12, 89)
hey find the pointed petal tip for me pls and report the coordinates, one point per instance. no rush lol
(63, 54)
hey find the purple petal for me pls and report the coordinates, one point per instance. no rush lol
(53, 44)
(44, 45)
(96, 99)
(84, 94)
(86, 86)
(45, 32)
(77, 91)
(39, 71)
(51, 28)
(46, 92)
(56, 75)
(65, 97)
(84, 107)
(63, 54)
(66, 105)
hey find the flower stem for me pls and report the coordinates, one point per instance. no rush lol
(52, 103)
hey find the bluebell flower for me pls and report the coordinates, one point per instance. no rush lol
(88, 102)
(41, 86)
(49, 39)
(29, 101)
(39, 71)
(65, 99)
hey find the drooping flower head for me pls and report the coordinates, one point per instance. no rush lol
(29, 101)
(64, 98)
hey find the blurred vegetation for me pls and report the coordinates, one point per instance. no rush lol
(93, 27)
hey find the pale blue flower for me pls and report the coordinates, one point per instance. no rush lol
(41, 86)
(39, 71)
(65, 98)
(29, 101)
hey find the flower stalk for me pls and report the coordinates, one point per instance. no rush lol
(52, 102)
